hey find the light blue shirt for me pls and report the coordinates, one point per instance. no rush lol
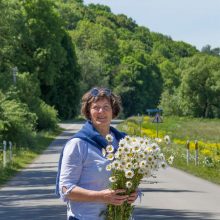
(84, 165)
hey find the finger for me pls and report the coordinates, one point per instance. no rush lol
(131, 199)
(120, 191)
(121, 196)
(133, 194)
(118, 202)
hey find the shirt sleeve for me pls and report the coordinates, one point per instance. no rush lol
(74, 155)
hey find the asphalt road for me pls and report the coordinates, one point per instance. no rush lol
(172, 195)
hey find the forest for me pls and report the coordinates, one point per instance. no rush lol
(52, 51)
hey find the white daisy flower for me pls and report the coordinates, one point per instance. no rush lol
(141, 141)
(153, 162)
(143, 164)
(129, 174)
(126, 149)
(141, 155)
(150, 158)
(121, 167)
(164, 165)
(170, 160)
(120, 150)
(109, 138)
(136, 148)
(112, 179)
(117, 155)
(129, 184)
(135, 165)
(116, 164)
(110, 149)
(154, 146)
(147, 141)
(128, 138)
(123, 163)
(109, 167)
(122, 143)
(167, 139)
(127, 159)
(129, 165)
(161, 157)
(148, 150)
(110, 156)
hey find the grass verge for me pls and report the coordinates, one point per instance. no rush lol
(181, 129)
(24, 156)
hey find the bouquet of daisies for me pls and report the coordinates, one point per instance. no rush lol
(135, 159)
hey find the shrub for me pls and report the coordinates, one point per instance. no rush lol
(47, 116)
(17, 122)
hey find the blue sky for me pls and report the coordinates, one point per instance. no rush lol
(194, 21)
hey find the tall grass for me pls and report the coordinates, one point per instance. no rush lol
(187, 128)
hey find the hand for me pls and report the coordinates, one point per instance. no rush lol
(113, 197)
(133, 196)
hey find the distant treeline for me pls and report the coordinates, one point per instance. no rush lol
(52, 51)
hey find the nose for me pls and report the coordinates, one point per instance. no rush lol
(101, 109)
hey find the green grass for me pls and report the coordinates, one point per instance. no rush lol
(211, 174)
(188, 128)
(24, 156)
(183, 129)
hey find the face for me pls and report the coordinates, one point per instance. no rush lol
(101, 113)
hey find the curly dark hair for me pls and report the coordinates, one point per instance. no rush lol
(96, 94)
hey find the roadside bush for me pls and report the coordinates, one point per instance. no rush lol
(47, 116)
(17, 122)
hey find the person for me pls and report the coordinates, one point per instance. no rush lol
(82, 180)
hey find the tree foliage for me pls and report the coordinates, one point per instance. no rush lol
(198, 94)
(46, 51)
(62, 48)
(16, 121)
(138, 81)
(200, 87)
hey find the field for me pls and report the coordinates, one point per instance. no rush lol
(180, 130)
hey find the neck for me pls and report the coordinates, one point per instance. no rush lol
(103, 131)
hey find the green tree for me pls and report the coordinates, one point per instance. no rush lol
(65, 93)
(46, 51)
(40, 33)
(71, 11)
(93, 70)
(171, 78)
(28, 92)
(17, 122)
(95, 37)
(207, 49)
(7, 42)
(200, 88)
(139, 82)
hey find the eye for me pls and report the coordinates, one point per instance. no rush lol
(106, 108)
(96, 108)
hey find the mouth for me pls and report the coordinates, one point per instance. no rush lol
(101, 118)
